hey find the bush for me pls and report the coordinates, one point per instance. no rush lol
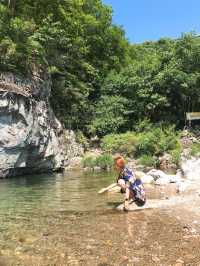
(157, 141)
(88, 161)
(81, 139)
(147, 160)
(124, 144)
(154, 142)
(104, 161)
(195, 149)
(176, 155)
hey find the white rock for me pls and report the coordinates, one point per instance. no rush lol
(181, 186)
(191, 168)
(162, 181)
(30, 135)
(146, 179)
(156, 174)
(97, 168)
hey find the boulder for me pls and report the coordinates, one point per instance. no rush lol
(31, 137)
(163, 179)
(157, 174)
(182, 186)
(191, 168)
(146, 179)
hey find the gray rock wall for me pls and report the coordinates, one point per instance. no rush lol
(31, 138)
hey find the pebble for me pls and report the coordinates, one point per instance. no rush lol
(180, 261)
(135, 259)
(155, 259)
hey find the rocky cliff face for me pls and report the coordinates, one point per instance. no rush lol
(31, 138)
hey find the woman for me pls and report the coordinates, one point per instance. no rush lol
(132, 187)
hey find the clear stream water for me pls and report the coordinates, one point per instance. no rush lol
(60, 219)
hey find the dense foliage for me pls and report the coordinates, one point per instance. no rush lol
(145, 146)
(104, 161)
(101, 84)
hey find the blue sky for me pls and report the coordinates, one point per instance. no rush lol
(145, 20)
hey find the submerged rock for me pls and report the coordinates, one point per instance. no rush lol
(31, 139)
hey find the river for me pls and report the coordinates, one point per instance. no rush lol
(59, 219)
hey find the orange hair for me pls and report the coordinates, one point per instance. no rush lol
(119, 161)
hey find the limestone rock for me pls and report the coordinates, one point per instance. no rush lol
(162, 179)
(72, 150)
(191, 168)
(146, 179)
(157, 174)
(31, 137)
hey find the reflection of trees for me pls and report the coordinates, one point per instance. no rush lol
(18, 193)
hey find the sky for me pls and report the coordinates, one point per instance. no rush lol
(145, 20)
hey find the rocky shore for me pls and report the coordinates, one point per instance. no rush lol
(32, 140)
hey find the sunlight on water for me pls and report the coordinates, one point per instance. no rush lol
(60, 219)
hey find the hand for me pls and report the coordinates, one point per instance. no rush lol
(132, 180)
(126, 205)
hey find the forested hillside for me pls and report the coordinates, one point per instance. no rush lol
(101, 83)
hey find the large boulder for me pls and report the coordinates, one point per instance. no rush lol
(146, 179)
(161, 178)
(31, 138)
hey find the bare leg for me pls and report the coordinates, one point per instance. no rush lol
(128, 193)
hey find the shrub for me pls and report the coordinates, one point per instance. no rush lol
(195, 149)
(104, 161)
(120, 143)
(155, 142)
(88, 161)
(147, 160)
(176, 155)
(81, 139)
(143, 125)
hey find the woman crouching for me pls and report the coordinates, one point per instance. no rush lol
(130, 185)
